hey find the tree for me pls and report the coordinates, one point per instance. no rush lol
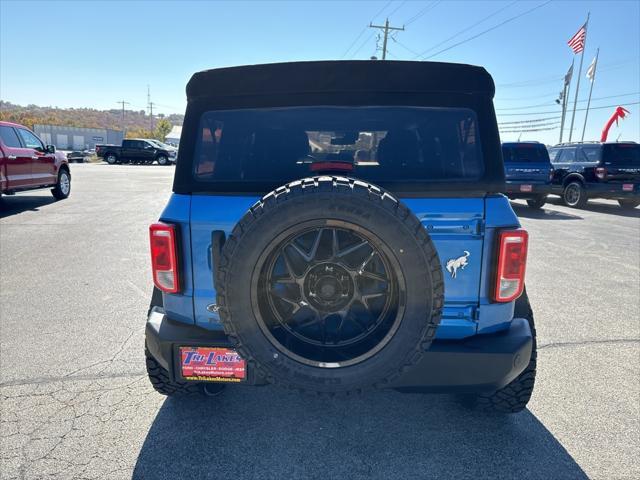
(163, 127)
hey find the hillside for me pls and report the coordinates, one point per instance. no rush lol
(134, 120)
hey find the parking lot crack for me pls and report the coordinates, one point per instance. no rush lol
(588, 342)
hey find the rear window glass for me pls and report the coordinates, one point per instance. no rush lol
(9, 137)
(622, 154)
(553, 154)
(391, 144)
(525, 153)
(591, 153)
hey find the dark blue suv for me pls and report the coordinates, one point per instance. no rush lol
(336, 227)
(528, 172)
(597, 170)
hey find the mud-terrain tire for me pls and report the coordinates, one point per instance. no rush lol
(628, 204)
(161, 382)
(538, 202)
(512, 398)
(339, 208)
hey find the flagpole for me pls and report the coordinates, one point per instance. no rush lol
(593, 79)
(564, 110)
(565, 100)
(575, 101)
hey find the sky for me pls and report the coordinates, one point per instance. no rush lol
(95, 54)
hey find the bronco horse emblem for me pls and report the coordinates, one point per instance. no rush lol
(457, 263)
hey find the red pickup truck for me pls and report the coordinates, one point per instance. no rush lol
(26, 163)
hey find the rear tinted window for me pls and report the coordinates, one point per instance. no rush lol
(525, 153)
(591, 153)
(394, 144)
(622, 154)
(9, 137)
(553, 154)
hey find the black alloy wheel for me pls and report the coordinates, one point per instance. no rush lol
(328, 296)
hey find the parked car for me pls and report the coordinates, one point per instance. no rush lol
(78, 156)
(173, 151)
(276, 263)
(135, 150)
(528, 172)
(26, 163)
(587, 170)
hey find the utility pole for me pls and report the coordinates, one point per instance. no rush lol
(123, 102)
(386, 29)
(151, 116)
(150, 107)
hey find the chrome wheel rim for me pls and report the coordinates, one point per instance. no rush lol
(65, 183)
(572, 194)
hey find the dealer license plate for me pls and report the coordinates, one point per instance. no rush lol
(627, 187)
(526, 188)
(212, 364)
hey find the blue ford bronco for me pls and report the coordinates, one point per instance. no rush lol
(337, 226)
(528, 172)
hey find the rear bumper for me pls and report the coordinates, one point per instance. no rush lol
(514, 189)
(482, 363)
(610, 191)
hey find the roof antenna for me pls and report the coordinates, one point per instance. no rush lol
(618, 138)
(519, 137)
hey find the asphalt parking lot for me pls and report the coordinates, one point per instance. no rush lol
(76, 403)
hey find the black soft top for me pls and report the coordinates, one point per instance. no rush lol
(345, 83)
(341, 76)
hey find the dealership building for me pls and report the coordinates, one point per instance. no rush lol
(76, 138)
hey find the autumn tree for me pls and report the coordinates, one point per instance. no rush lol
(163, 127)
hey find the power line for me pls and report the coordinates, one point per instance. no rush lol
(382, 10)
(473, 37)
(408, 49)
(397, 8)
(366, 40)
(530, 125)
(354, 42)
(534, 120)
(365, 28)
(532, 81)
(528, 97)
(578, 110)
(579, 101)
(422, 12)
(530, 130)
(555, 78)
(465, 29)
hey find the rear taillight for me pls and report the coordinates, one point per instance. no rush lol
(512, 262)
(164, 258)
(601, 173)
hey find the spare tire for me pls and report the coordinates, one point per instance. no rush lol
(330, 284)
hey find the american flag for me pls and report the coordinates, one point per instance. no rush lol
(576, 43)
